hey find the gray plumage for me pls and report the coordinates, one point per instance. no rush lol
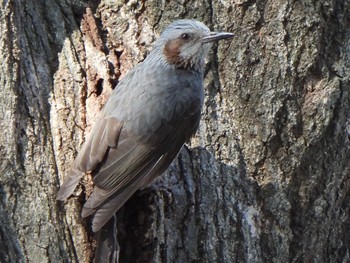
(152, 112)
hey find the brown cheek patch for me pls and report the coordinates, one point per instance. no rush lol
(172, 51)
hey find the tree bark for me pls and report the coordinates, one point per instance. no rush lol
(266, 178)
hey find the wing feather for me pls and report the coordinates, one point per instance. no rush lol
(120, 174)
(104, 135)
(115, 201)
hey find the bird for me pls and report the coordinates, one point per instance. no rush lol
(154, 109)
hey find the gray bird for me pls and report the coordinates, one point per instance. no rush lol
(152, 112)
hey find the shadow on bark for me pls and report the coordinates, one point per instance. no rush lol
(184, 218)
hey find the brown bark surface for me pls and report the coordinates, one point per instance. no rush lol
(266, 179)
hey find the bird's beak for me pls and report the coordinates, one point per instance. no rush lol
(214, 36)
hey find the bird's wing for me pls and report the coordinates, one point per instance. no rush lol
(111, 202)
(104, 135)
(126, 168)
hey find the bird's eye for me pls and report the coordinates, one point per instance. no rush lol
(185, 36)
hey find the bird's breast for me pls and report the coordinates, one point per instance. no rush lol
(174, 105)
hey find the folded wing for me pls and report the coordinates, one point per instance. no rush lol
(104, 135)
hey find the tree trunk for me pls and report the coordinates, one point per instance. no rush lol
(266, 179)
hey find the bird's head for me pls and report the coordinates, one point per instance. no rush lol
(185, 43)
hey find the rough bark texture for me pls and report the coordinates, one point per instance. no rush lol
(266, 179)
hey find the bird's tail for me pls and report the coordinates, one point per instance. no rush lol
(107, 250)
